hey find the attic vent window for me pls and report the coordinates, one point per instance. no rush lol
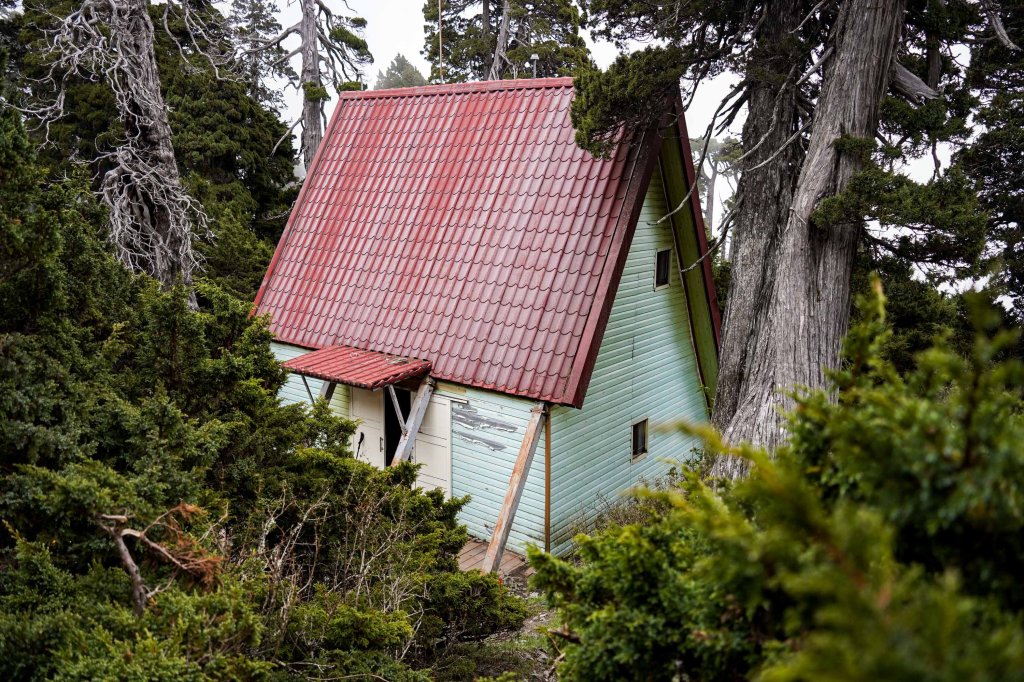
(639, 439)
(661, 268)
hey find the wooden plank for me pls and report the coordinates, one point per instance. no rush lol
(308, 392)
(327, 390)
(516, 483)
(398, 408)
(412, 424)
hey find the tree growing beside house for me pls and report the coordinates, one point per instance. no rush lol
(836, 93)
(883, 541)
(152, 220)
(331, 52)
(252, 23)
(400, 74)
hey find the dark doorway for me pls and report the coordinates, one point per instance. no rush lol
(392, 425)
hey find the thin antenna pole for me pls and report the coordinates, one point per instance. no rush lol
(440, 43)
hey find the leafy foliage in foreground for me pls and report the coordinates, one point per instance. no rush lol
(883, 543)
(163, 516)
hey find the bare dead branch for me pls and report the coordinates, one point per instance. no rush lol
(905, 82)
(994, 13)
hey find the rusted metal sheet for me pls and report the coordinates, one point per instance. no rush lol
(355, 367)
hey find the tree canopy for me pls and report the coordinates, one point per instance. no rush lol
(474, 32)
(400, 74)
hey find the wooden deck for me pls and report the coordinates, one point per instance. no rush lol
(512, 564)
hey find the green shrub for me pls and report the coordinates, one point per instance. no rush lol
(881, 543)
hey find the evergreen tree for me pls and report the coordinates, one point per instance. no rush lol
(994, 159)
(882, 543)
(470, 32)
(332, 53)
(165, 517)
(400, 74)
(233, 153)
(252, 23)
(812, 173)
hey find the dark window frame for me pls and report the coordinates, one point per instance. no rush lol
(639, 439)
(662, 268)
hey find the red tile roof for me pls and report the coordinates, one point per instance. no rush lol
(362, 368)
(462, 225)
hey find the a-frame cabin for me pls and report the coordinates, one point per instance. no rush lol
(510, 312)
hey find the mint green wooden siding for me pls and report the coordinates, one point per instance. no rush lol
(294, 391)
(487, 430)
(646, 368)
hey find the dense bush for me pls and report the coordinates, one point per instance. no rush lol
(884, 542)
(163, 515)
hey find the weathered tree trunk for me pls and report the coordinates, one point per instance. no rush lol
(801, 336)
(485, 21)
(764, 192)
(501, 44)
(312, 84)
(150, 212)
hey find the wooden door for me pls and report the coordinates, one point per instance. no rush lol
(433, 448)
(368, 440)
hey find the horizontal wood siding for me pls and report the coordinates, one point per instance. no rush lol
(646, 368)
(294, 391)
(487, 430)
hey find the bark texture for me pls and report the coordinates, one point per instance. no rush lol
(800, 337)
(499, 60)
(312, 84)
(152, 220)
(764, 192)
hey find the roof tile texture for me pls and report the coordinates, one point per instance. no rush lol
(362, 368)
(460, 225)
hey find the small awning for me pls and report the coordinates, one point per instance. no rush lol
(361, 368)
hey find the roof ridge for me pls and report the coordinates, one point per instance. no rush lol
(459, 88)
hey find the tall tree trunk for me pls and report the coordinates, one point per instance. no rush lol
(810, 294)
(485, 21)
(763, 194)
(151, 215)
(312, 84)
(501, 43)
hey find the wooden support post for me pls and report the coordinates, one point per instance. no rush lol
(327, 390)
(547, 484)
(398, 408)
(516, 483)
(412, 424)
(308, 392)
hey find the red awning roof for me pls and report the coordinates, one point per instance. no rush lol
(362, 368)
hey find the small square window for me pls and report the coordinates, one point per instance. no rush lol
(661, 268)
(639, 439)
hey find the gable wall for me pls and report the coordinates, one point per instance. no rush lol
(646, 367)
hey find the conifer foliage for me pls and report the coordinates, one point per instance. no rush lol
(475, 34)
(882, 543)
(164, 516)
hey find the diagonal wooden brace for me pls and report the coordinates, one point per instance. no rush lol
(516, 483)
(412, 424)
